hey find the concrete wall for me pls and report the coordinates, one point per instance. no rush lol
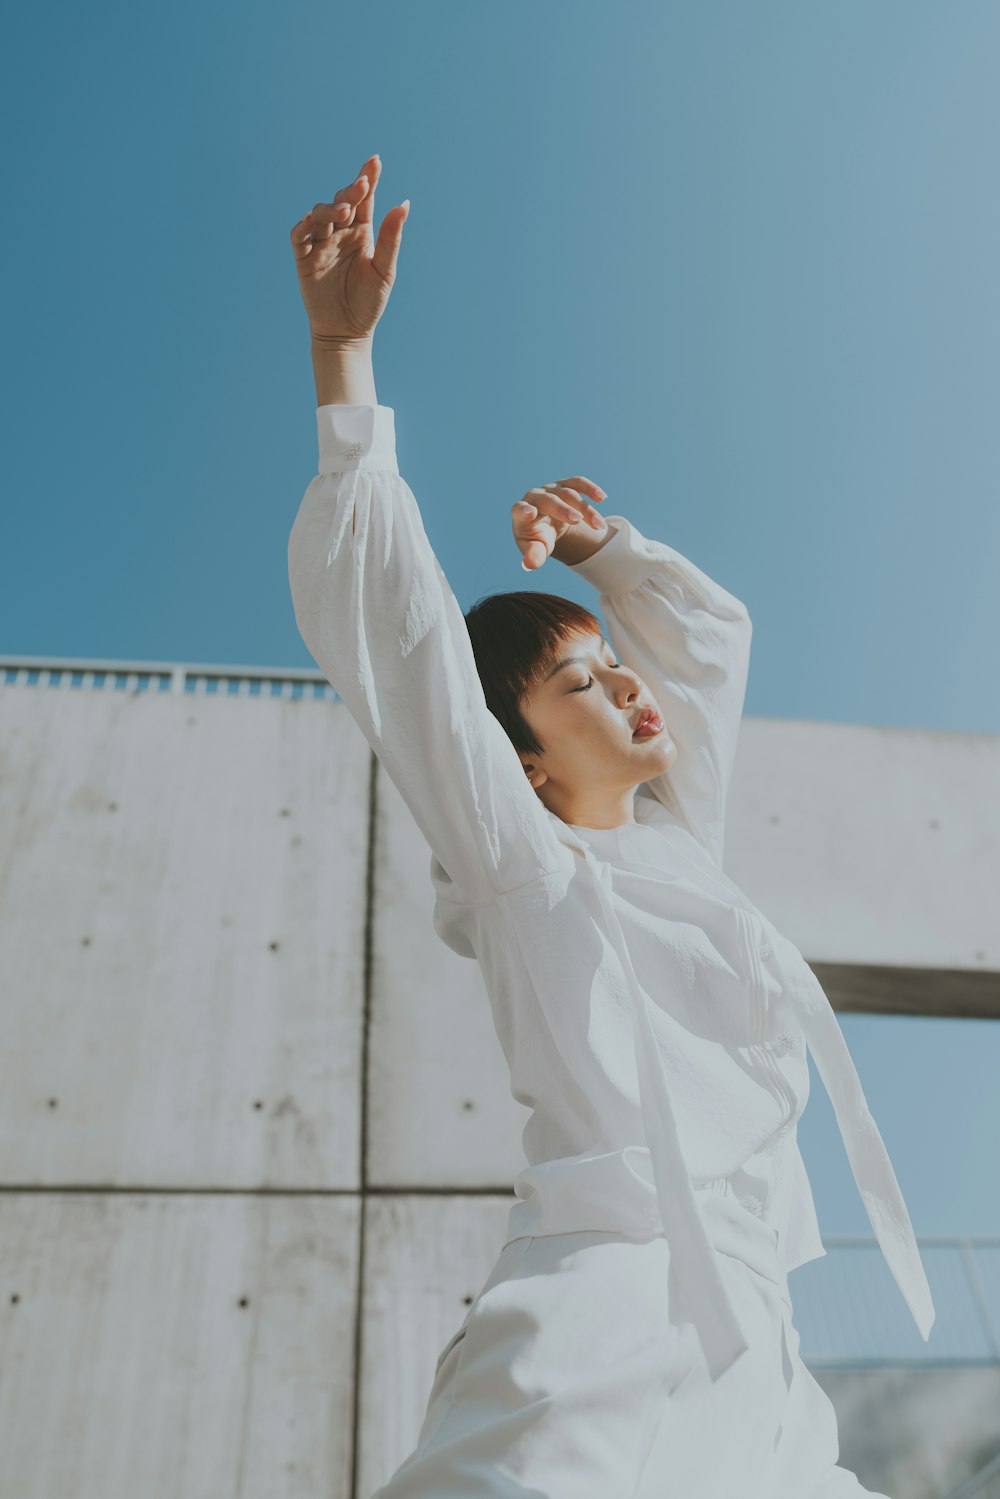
(256, 1137)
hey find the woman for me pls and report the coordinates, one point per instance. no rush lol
(635, 1337)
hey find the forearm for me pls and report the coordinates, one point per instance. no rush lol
(343, 371)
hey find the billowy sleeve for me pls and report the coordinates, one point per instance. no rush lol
(375, 610)
(689, 640)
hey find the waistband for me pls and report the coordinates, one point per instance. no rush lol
(730, 1228)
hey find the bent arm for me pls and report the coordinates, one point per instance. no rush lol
(689, 640)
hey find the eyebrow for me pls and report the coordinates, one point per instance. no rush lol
(571, 660)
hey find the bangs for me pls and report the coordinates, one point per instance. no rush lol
(515, 640)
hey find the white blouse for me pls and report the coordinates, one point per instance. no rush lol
(654, 1021)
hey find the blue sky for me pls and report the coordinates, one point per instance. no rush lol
(738, 263)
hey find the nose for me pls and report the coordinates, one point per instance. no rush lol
(629, 686)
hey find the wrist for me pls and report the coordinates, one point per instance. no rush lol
(340, 343)
(573, 548)
(343, 371)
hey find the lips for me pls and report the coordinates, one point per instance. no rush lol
(650, 723)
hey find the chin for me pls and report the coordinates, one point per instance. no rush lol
(668, 750)
(662, 742)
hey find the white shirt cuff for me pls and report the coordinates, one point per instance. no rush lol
(356, 437)
(625, 560)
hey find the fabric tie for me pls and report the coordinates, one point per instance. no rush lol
(697, 1288)
(870, 1163)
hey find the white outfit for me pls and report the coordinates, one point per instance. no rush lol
(653, 1020)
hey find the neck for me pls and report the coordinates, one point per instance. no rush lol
(607, 813)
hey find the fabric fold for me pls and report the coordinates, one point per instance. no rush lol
(696, 1288)
(696, 1285)
(872, 1169)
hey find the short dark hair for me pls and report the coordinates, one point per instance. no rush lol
(515, 637)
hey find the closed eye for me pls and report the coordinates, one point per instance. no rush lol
(614, 665)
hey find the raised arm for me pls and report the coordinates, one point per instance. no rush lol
(371, 601)
(689, 640)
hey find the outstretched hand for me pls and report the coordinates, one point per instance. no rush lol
(559, 520)
(345, 279)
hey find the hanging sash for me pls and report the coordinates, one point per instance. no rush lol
(696, 1287)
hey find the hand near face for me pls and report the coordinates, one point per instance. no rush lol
(559, 520)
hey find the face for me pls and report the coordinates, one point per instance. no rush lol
(585, 713)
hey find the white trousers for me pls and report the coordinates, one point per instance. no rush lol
(567, 1381)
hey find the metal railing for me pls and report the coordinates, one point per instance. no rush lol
(850, 1313)
(165, 676)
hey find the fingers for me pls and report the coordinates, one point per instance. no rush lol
(370, 172)
(316, 226)
(543, 514)
(354, 205)
(359, 197)
(570, 502)
(587, 486)
(536, 541)
(390, 237)
(340, 214)
(535, 554)
(534, 534)
(301, 242)
(324, 218)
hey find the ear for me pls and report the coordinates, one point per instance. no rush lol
(534, 772)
